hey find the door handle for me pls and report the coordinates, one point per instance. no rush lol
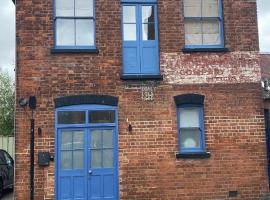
(90, 172)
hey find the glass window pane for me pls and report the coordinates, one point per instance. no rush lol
(66, 140)
(210, 8)
(78, 159)
(64, 8)
(129, 32)
(96, 157)
(211, 34)
(210, 27)
(107, 138)
(108, 158)
(193, 39)
(211, 39)
(66, 159)
(192, 8)
(148, 14)
(65, 32)
(193, 33)
(193, 27)
(84, 8)
(78, 139)
(96, 139)
(71, 117)
(189, 117)
(148, 31)
(129, 14)
(104, 116)
(190, 138)
(85, 32)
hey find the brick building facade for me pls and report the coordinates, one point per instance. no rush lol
(220, 83)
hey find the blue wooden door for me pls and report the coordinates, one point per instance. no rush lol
(149, 39)
(131, 37)
(140, 39)
(71, 171)
(101, 171)
(87, 164)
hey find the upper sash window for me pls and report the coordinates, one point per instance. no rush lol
(74, 24)
(203, 24)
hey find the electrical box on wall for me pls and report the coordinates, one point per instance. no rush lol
(44, 159)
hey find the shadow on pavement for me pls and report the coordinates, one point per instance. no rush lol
(8, 195)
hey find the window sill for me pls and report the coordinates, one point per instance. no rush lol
(141, 77)
(199, 155)
(191, 50)
(70, 50)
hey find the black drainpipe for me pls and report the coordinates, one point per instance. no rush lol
(32, 106)
(32, 158)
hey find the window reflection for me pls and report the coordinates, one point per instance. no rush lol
(84, 32)
(129, 14)
(148, 14)
(71, 117)
(148, 31)
(101, 148)
(129, 23)
(129, 32)
(148, 23)
(102, 116)
(72, 153)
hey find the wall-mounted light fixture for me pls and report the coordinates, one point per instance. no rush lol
(23, 102)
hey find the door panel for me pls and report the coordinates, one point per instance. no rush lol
(131, 60)
(149, 40)
(71, 167)
(108, 186)
(65, 187)
(102, 175)
(149, 60)
(131, 49)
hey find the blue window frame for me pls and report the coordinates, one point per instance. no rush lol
(191, 128)
(74, 24)
(203, 24)
(140, 38)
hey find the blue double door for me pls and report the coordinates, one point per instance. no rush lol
(87, 164)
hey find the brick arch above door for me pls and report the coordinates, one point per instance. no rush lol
(85, 99)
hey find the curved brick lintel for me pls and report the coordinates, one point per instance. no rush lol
(86, 99)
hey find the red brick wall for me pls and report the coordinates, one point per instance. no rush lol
(148, 168)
